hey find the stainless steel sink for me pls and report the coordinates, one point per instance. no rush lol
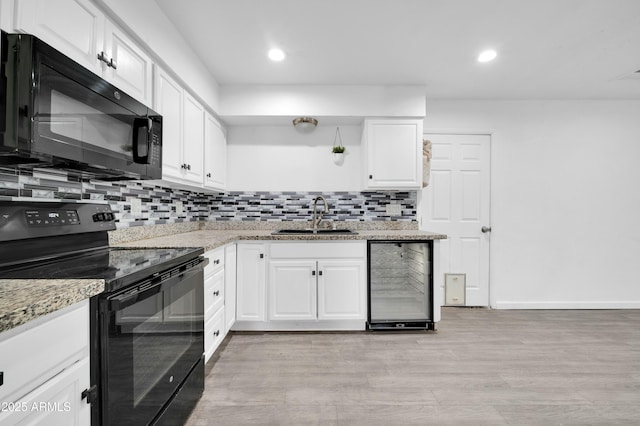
(314, 232)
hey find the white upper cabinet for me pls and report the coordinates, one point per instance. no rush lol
(75, 27)
(81, 31)
(215, 154)
(193, 143)
(169, 103)
(182, 131)
(393, 153)
(130, 68)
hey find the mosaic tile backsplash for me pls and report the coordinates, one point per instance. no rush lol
(164, 205)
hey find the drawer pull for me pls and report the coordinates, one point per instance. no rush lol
(1, 378)
(216, 293)
(216, 333)
(216, 262)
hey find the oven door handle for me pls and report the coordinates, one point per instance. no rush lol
(148, 289)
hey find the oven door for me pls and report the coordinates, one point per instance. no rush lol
(151, 338)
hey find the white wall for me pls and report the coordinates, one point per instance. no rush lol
(279, 158)
(319, 101)
(565, 207)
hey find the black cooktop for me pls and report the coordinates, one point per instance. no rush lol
(61, 240)
(118, 266)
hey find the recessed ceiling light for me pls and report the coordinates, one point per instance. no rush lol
(276, 55)
(487, 55)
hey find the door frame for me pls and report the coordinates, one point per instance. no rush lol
(455, 131)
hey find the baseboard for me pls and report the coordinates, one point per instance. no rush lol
(567, 305)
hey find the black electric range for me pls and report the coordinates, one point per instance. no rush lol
(147, 327)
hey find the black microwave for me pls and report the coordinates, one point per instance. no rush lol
(56, 113)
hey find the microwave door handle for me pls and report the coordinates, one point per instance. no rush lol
(139, 124)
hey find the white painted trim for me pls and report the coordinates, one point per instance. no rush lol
(293, 325)
(568, 305)
(449, 131)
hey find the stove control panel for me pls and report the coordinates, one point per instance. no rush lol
(52, 217)
(103, 217)
(24, 220)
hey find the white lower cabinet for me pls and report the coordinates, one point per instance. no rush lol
(214, 301)
(310, 285)
(230, 257)
(45, 387)
(342, 289)
(292, 290)
(251, 282)
(214, 333)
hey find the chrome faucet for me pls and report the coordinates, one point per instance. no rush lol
(317, 217)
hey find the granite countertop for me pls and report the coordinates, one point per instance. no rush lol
(211, 239)
(24, 300)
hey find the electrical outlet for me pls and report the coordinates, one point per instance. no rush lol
(136, 206)
(179, 207)
(394, 209)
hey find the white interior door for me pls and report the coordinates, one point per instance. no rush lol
(457, 203)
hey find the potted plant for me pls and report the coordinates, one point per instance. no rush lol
(337, 152)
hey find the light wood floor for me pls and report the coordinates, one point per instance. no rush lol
(482, 367)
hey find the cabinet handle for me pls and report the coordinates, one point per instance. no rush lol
(216, 333)
(90, 394)
(261, 256)
(102, 57)
(110, 62)
(370, 176)
(188, 166)
(320, 273)
(216, 293)
(209, 175)
(1, 378)
(216, 262)
(183, 166)
(313, 273)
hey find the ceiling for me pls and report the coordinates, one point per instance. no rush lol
(551, 49)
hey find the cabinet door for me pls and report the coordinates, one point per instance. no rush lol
(292, 290)
(58, 402)
(213, 294)
(132, 70)
(215, 154)
(341, 289)
(168, 102)
(193, 140)
(75, 27)
(213, 334)
(251, 283)
(394, 154)
(229, 286)
(33, 354)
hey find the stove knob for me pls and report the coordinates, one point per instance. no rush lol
(98, 217)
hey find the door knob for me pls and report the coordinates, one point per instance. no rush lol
(485, 229)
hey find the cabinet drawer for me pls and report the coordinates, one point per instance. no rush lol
(213, 333)
(213, 294)
(33, 356)
(318, 249)
(62, 396)
(216, 261)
